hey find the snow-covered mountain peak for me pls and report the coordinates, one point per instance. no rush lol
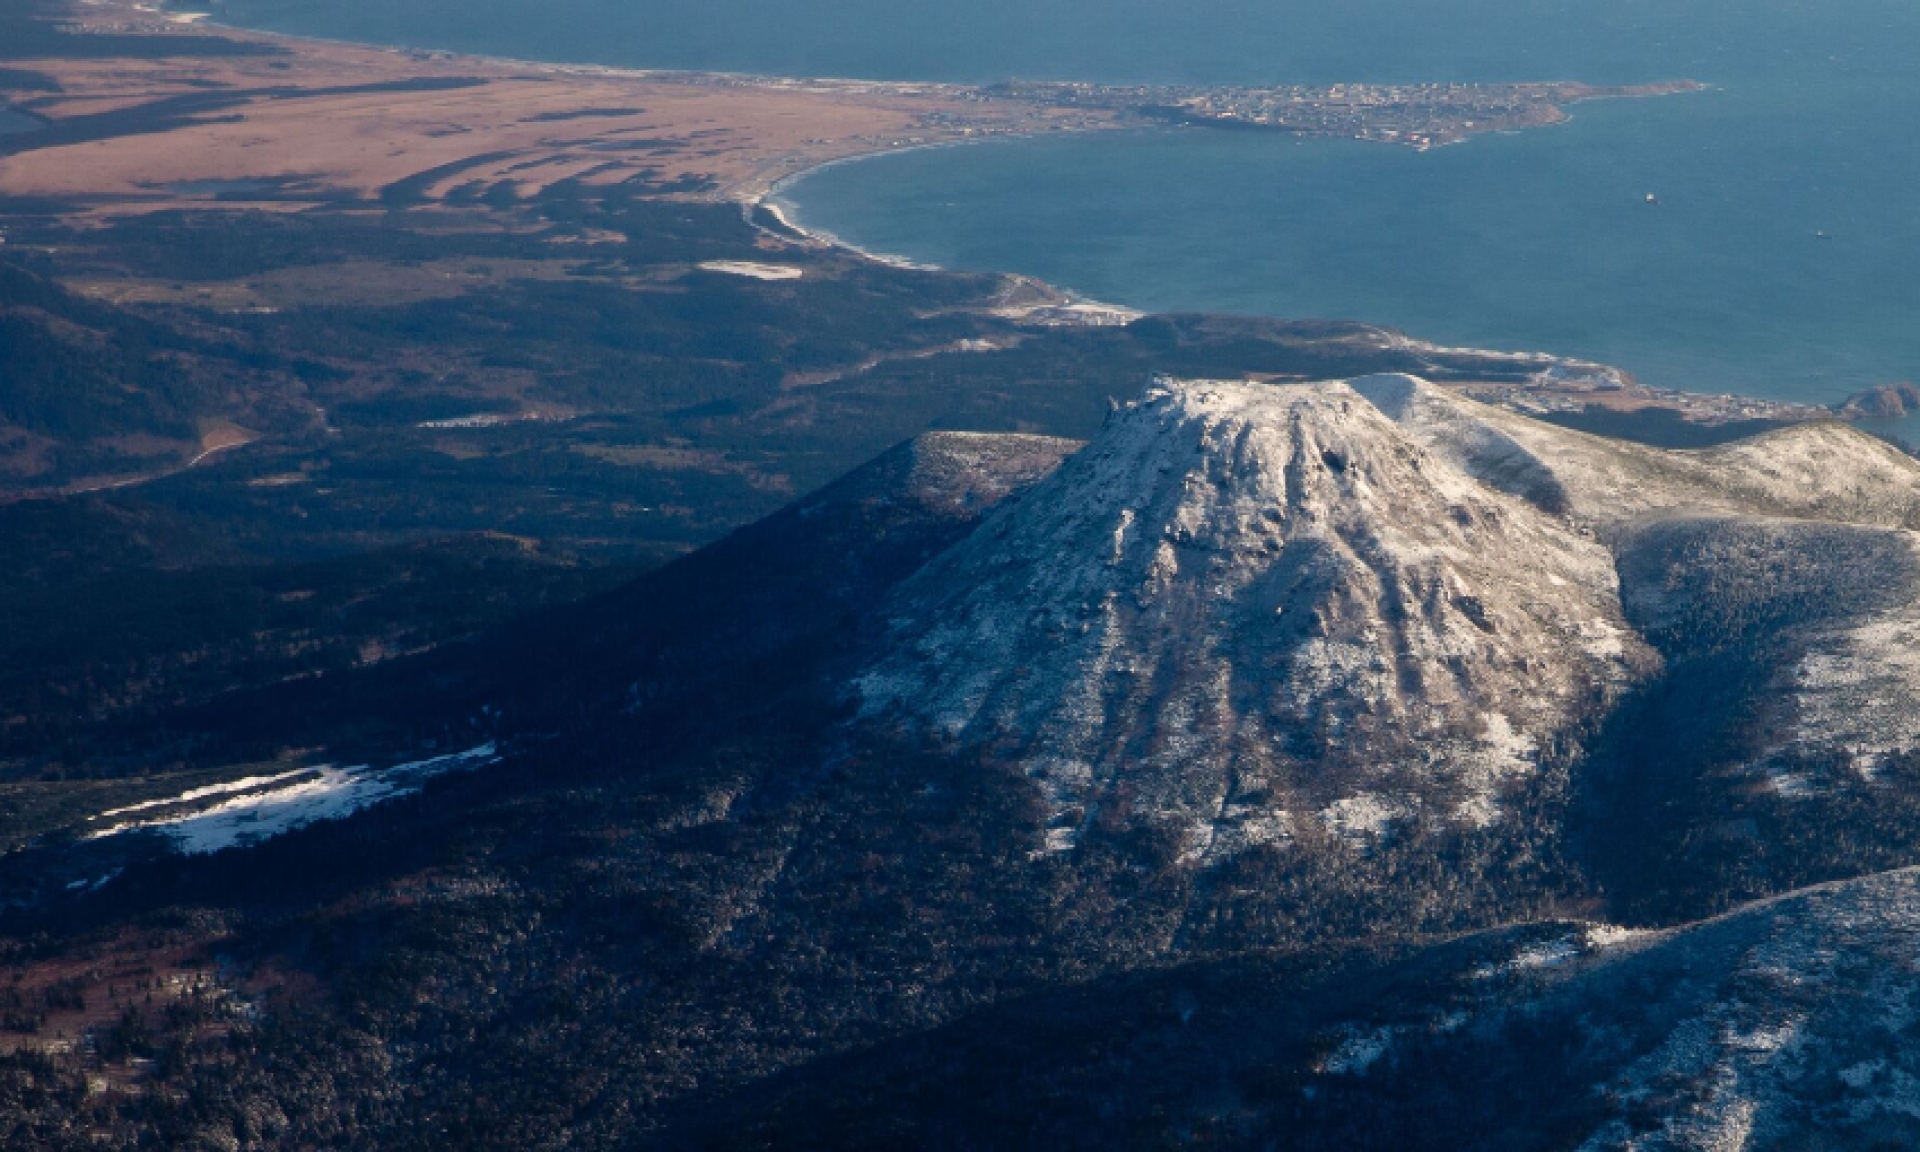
(1250, 613)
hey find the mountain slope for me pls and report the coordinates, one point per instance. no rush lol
(1789, 1024)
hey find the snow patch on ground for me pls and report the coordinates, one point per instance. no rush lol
(1360, 1051)
(1362, 819)
(1561, 953)
(323, 793)
(1603, 936)
(752, 270)
(1536, 957)
(1790, 785)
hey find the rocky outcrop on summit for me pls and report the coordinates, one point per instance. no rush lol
(1244, 608)
(960, 474)
(1887, 402)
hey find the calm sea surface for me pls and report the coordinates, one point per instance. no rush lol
(11, 122)
(1538, 240)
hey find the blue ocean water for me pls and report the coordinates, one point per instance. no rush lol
(11, 122)
(1537, 240)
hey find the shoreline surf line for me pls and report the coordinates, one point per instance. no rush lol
(786, 212)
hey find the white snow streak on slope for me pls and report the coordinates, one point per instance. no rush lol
(752, 270)
(241, 785)
(327, 793)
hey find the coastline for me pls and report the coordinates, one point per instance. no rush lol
(1071, 308)
(762, 189)
(786, 211)
(1549, 375)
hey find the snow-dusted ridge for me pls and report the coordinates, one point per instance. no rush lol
(1783, 1024)
(1820, 470)
(1818, 511)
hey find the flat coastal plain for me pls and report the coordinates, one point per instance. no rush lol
(287, 123)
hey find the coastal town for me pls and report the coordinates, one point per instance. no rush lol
(1416, 115)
